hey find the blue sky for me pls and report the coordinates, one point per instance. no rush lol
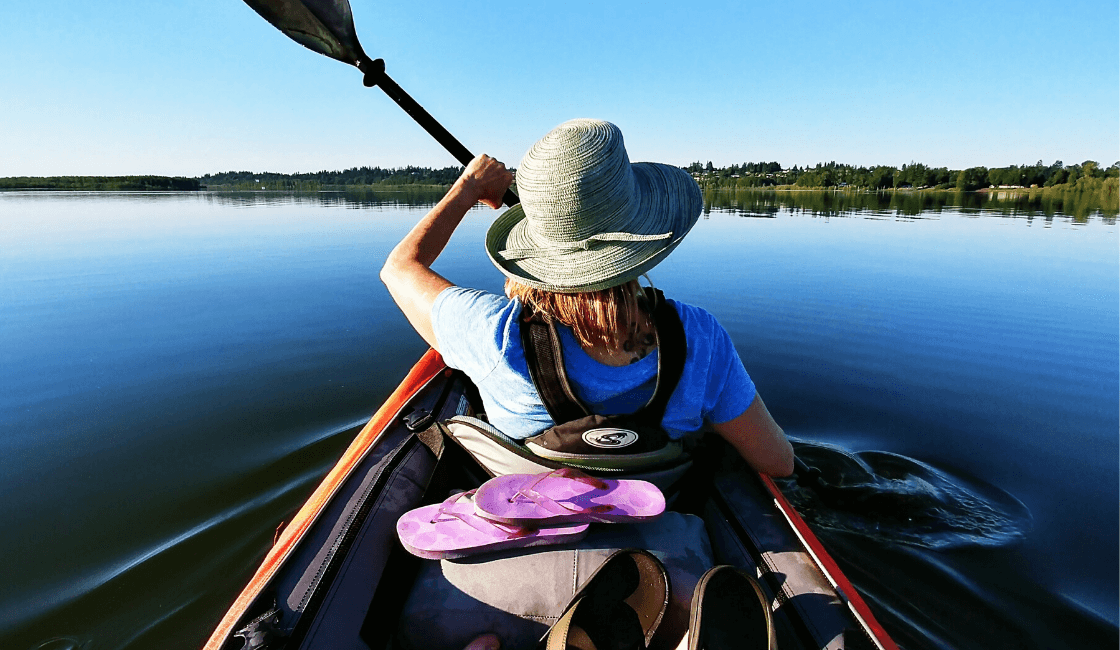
(195, 86)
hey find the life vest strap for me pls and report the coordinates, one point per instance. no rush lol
(546, 363)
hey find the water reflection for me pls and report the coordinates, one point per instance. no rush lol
(894, 499)
(750, 203)
(183, 365)
(353, 198)
(910, 205)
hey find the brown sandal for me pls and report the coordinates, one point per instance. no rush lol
(619, 607)
(730, 611)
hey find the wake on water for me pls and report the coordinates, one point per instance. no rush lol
(898, 500)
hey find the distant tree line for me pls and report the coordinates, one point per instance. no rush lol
(882, 177)
(99, 183)
(1085, 177)
(356, 176)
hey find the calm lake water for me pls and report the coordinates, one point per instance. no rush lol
(177, 371)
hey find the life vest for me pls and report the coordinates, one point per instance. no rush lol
(621, 441)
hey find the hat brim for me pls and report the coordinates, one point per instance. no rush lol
(667, 199)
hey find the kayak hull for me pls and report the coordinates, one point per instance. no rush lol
(337, 576)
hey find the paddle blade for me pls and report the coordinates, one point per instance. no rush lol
(325, 26)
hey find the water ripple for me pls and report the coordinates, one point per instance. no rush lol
(898, 500)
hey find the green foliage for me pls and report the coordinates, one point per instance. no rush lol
(917, 175)
(972, 179)
(100, 183)
(315, 181)
(913, 176)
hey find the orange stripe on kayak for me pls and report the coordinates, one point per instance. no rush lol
(830, 568)
(425, 369)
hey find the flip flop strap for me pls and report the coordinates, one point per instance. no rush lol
(474, 521)
(530, 493)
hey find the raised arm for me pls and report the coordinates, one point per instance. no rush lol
(407, 272)
(759, 440)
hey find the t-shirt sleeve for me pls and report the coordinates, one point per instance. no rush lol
(730, 390)
(471, 329)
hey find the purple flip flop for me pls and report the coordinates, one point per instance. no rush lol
(452, 530)
(567, 496)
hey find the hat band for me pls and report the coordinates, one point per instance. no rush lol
(591, 242)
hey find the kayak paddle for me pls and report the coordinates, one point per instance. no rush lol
(327, 27)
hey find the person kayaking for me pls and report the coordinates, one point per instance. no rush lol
(589, 224)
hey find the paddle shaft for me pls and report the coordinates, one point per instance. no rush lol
(810, 477)
(375, 76)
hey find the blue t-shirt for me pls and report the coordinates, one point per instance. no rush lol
(480, 334)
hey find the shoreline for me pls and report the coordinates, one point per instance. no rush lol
(1085, 195)
(232, 188)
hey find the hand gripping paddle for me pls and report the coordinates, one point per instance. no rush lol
(327, 27)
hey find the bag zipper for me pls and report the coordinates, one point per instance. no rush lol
(314, 594)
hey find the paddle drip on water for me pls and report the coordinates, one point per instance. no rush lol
(893, 498)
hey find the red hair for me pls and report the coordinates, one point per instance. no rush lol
(608, 317)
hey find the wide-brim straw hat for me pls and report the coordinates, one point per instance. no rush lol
(588, 218)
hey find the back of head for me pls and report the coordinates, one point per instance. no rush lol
(603, 318)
